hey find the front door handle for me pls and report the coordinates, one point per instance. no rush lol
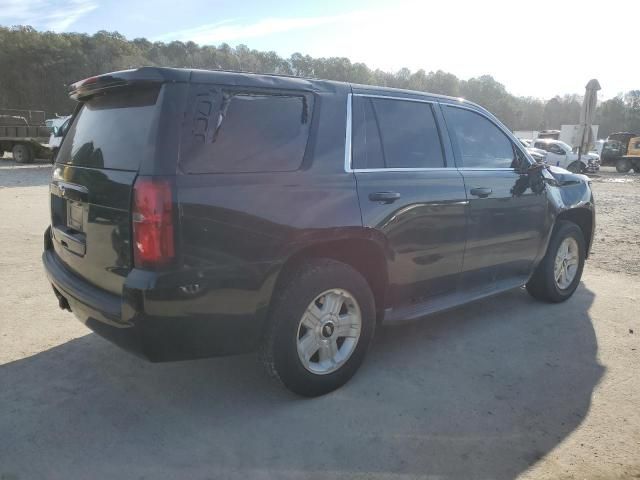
(481, 192)
(384, 197)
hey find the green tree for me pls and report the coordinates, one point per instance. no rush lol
(36, 69)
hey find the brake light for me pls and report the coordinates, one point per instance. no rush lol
(152, 219)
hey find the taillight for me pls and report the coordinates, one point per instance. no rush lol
(152, 218)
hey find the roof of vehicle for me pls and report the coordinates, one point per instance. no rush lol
(619, 135)
(166, 74)
(548, 140)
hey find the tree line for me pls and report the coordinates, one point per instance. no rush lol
(37, 67)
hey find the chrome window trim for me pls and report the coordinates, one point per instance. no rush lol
(348, 147)
(393, 98)
(499, 125)
(347, 140)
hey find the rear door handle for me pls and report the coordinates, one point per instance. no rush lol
(384, 197)
(481, 192)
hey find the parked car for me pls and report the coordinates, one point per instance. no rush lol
(198, 213)
(560, 154)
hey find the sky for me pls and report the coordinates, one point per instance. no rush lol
(538, 48)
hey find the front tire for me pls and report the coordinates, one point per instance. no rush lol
(576, 167)
(558, 274)
(320, 326)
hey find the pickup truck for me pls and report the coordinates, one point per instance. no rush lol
(58, 128)
(24, 133)
(561, 155)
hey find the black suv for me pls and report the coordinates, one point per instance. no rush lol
(200, 213)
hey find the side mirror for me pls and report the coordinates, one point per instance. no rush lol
(55, 131)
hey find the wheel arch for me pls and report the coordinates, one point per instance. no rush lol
(365, 255)
(583, 217)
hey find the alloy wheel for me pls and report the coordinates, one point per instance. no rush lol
(329, 331)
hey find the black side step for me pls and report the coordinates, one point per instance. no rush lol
(440, 304)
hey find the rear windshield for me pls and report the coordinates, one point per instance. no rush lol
(246, 132)
(113, 131)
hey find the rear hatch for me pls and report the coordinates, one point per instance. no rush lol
(113, 135)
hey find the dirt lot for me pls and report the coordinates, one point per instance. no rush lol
(506, 388)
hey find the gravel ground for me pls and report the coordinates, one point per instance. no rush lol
(617, 243)
(504, 388)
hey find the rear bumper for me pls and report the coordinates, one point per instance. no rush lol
(156, 323)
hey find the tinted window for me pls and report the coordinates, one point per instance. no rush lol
(249, 133)
(395, 134)
(114, 131)
(367, 149)
(480, 143)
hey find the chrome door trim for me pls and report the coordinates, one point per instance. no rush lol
(347, 140)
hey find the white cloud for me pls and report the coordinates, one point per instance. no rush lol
(232, 30)
(45, 14)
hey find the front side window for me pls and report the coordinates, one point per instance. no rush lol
(389, 133)
(480, 143)
(247, 132)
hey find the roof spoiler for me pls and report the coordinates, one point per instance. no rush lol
(140, 76)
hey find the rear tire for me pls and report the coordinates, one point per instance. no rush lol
(302, 310)
(544, 284)
(576, 167)
(22, 153)
(623, 165)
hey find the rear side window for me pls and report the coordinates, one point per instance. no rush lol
(390, 133)
(247, 132)
(479, 142)
(113, 131)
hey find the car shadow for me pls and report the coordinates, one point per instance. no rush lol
(482, 391)
(13, 174)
